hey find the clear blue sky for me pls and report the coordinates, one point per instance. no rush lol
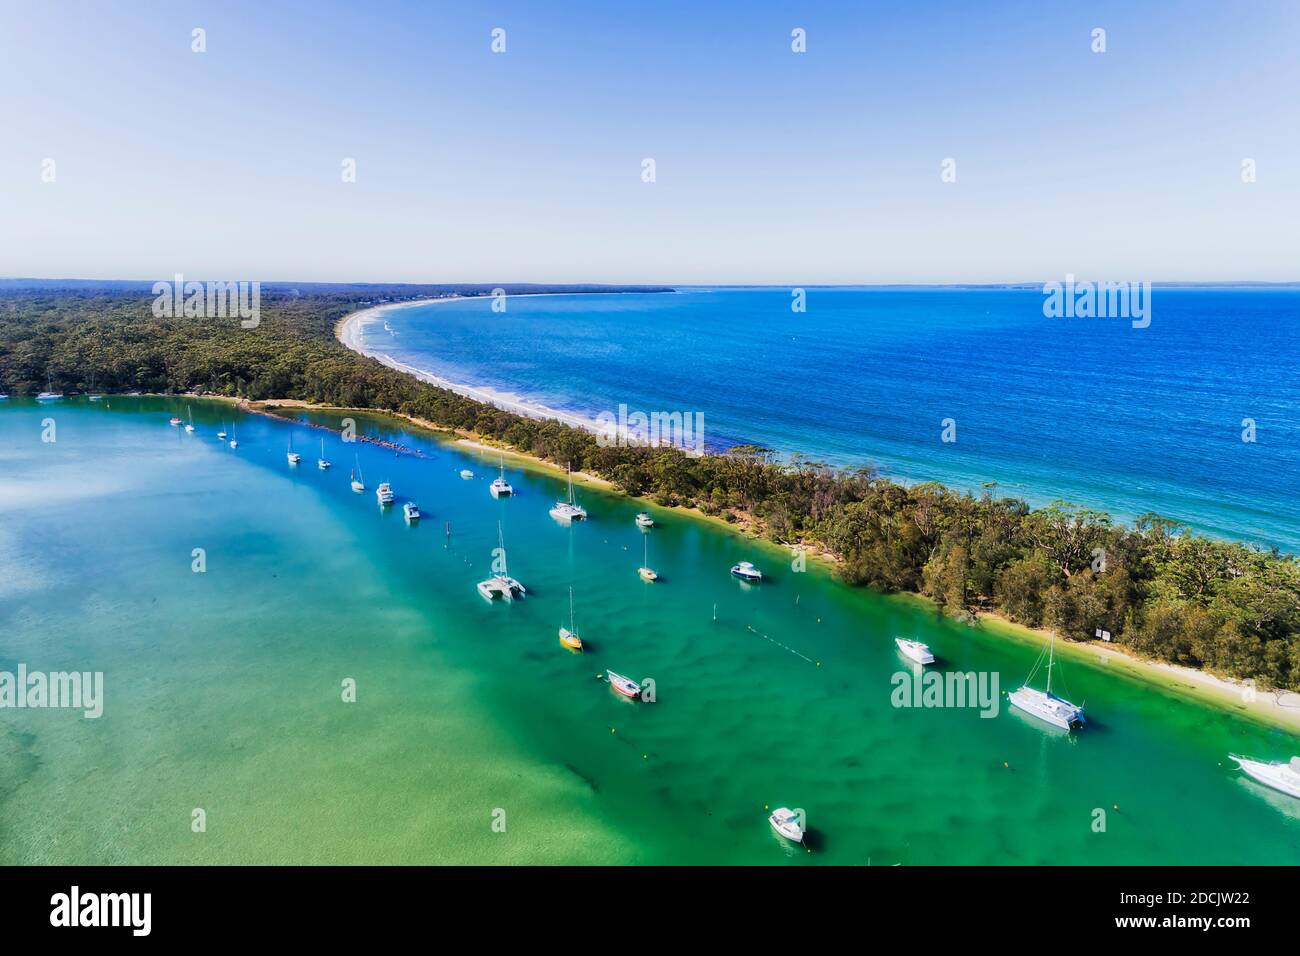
(772, 167)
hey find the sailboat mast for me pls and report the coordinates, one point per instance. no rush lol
(571, 609)
(1051, 657)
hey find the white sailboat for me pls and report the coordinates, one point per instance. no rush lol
(1045, 705)
(500, 488)
(1280, 776)
(234, 442)
(189, 425)
(501, 585)
(647, 573)
(566, 511)
(358, 479)
(624, 685)
(221, 435)
(322, 462)
(49, 395)
(292, 455)
(569, 635)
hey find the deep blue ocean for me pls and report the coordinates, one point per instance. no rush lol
(1087, 410)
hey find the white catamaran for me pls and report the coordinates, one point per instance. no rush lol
(501, 585)
(500, 488)
(566, 511)
(1045, 705)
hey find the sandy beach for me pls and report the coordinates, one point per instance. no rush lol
(349, 332)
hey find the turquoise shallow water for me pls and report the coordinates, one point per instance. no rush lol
(223, 688)
(1090, 410)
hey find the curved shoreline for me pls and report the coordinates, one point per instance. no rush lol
(348, 331)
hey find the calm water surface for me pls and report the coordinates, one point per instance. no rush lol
(223, 688)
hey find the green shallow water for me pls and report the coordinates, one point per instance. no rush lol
(223, 688)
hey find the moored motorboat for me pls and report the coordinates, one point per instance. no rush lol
(466, 474)
(174, 421)
(1280, 776)
(643, 520)
(411, 511)
(384, 492)
(787, 823)
(746, 571)
(915, 650)
(624, 685)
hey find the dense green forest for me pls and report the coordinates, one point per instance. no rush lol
(1159, 589)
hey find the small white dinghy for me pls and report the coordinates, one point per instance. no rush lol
(466, 474)
(915, 650)
(786, 822)
(1280, 776)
